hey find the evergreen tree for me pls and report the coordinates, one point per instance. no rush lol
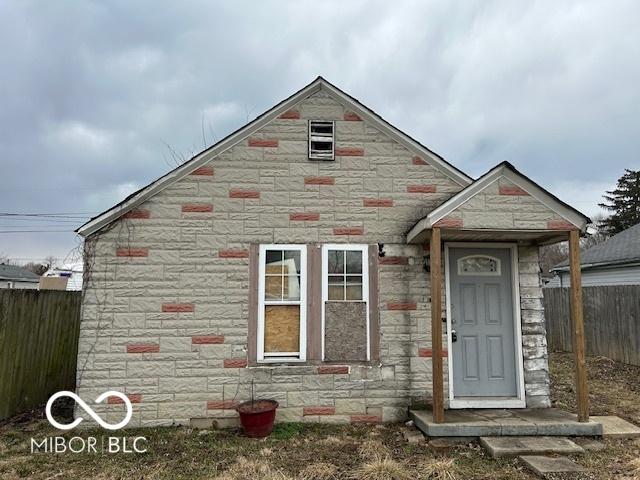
(624, 202)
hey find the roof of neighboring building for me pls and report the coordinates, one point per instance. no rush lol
(620, 249)
(18, 274)
(136, 198)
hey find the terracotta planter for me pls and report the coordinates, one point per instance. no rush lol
(257, 417)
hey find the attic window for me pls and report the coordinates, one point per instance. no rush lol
(321, 140)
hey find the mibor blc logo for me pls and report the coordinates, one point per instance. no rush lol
(89, 410)
(89, 444)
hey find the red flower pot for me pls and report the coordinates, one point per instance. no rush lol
(257, 417)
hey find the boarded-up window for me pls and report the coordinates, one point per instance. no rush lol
(345, 303)
(281, 316)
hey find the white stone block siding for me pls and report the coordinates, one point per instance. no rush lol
(165, 310)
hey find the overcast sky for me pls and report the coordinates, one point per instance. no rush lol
(91, 93)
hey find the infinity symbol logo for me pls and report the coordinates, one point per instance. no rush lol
(89, 410)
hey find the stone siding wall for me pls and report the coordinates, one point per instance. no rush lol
(165, 310)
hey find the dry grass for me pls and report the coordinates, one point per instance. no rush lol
(245, 469)
(373, 450)
(382, 469)
(439, 469)
(319, 471)
(634, 468)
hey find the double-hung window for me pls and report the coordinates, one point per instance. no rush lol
(345, 303)
(282, 298)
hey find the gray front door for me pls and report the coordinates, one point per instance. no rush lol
(482, 323)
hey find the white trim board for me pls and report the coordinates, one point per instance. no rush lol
(507, 171)
(488, 402)
(233, 139)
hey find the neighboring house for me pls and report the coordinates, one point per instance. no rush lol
(615, 261)
(12, 276)
(68, 276)
(291, 258)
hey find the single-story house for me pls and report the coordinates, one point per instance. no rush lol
(12, 276)
(321, 257)
(615, 261)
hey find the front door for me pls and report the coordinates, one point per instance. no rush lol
(482, 327)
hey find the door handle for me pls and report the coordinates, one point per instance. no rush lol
(454, 336)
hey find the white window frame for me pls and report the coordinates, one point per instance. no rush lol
(333, 141)
(300, 356)
(365, 283)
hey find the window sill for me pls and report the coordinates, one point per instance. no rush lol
(279, 362)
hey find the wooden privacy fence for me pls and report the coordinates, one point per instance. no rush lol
(38, 346)
(611, 321)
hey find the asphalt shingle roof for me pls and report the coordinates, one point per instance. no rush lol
(621, 248)
(13, 272)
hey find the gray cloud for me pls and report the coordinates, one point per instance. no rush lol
(92, 91)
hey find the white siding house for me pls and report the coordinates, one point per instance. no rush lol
(614, 262)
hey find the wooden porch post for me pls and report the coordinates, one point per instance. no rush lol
(436, 326)
(577, 326)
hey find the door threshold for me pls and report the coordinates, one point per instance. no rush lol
(487, 402)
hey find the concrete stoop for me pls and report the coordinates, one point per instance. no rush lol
(500, 447)
(510, 422)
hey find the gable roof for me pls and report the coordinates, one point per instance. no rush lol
(206, 155)
(620, 249)
(508, 171)
(18, 274)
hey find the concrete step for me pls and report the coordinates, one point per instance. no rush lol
(499, 447)
(543, 466)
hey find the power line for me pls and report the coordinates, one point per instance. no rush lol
(36, 231)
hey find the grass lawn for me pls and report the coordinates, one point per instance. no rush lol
(309, 452)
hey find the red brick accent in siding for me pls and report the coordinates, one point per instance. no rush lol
(377, 202)
(511, 190)
(304, 216)
(290, 115)
(197, 208)
(240, 193)
(263, 142)
(352, 117)
(366, 419)
(233, 253)
(349, 152)
(401, 305)
(418, 161)
(393, 261)
(428, 352)
(178, 307)
(133, 398)
(137, 214)
(421, 189)
(132, 252)
(560, 225)
(207, 339)
(319, 181)
(449, 222)
(203, 171)
(235, 362)
(333, 369)
(143, 348)
(306, 411)
(348, 231)
(221, 404)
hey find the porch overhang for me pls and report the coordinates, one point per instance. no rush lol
(501, 205)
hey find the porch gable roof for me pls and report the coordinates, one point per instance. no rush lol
(503, 201)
